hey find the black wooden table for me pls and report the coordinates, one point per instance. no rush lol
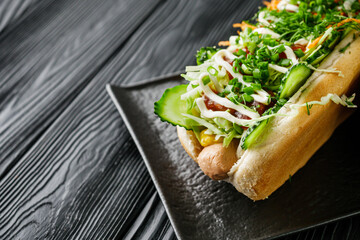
(68, 166)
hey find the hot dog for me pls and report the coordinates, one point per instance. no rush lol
(255, 112)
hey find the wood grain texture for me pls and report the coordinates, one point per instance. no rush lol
(69, 169)
(171, 40)
(151, 223)
(12, 12)
(50, 58)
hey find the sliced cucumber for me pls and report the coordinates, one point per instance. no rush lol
(253, 134)
(294, 79)
(320, 58)
(334, 42)
(321, 54)
(170, 106)
(346, 32)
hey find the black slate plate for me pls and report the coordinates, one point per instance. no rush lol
(326, 189)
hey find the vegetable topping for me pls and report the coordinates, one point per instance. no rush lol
(234, 92)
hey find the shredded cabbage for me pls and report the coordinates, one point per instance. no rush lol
(204, 123)
(326, 70)
(343, 100)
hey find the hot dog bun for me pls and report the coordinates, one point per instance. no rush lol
(289, 142)
(189, 142)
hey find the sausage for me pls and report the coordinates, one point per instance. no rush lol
(216, 160)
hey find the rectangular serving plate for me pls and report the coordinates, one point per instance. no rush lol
(325, 190)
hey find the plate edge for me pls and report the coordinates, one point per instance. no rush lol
(109, 88)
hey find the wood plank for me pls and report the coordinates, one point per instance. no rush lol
(12, 12)
(48, 59)
(151, 223)
(170, 43)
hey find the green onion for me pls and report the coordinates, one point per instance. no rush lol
(212, 71)
(308, 107)
(222, 94)
(257, 73)
(247, 98)
(248, 30)
(228, 89)
(248, 78)
(280, 49)
(285, 62)
(275, 57)
(249, 90)
(299, 53)
(251, 46)
(238, 84)
(237, 87)
(240, 52)
(263, 65)
(256, 86)
(206, 80)
(245, 69)
(234, 98)
(233, 81)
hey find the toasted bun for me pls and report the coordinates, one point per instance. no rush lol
(289, 142)
(189, 142)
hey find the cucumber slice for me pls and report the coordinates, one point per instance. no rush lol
(253, 134)
(334, 42)
(346, 32)
(320, 55)
(294, 79)
(170, 106)
(320, 58)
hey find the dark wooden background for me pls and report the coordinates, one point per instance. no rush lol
(68, 166)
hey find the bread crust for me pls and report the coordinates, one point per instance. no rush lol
(289, 142)
(189, 142)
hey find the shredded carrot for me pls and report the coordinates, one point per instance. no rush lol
(346, 21)
(315, 14)
(274, 4)
(271, 5)
(315, 42)
(267, 4)
(243, 25)
(224, 43)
